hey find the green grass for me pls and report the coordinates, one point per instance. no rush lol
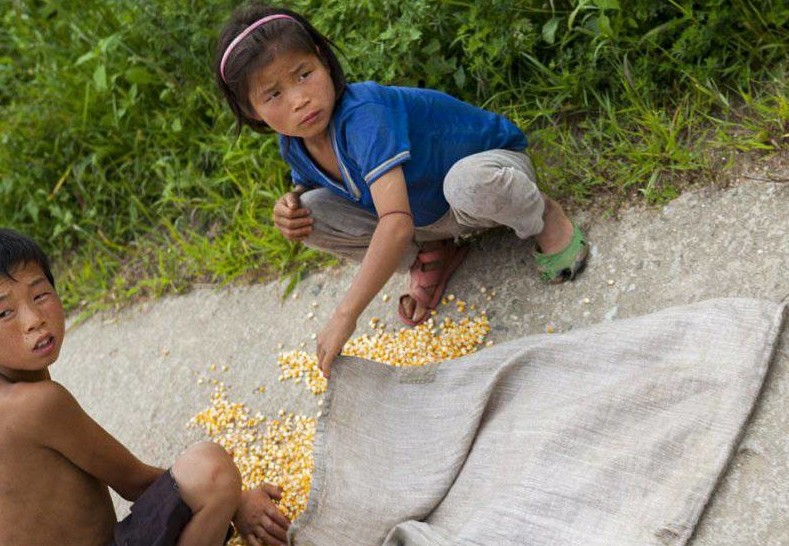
(118, 156)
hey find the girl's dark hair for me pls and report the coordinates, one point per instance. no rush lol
(16, 250)
(258, 50)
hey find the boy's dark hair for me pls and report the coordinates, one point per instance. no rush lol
(256, 51)
(16, 250)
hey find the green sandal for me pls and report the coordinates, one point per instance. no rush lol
(565, 264)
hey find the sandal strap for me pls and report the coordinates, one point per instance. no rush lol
(436, 255)
(427, 286)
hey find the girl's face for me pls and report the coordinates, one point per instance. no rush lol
(294, 95)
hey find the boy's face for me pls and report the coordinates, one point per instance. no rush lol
(32, 324)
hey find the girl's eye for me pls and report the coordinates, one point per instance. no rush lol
(304, 75)
(271, 96)
(5, 313)
(41, 296)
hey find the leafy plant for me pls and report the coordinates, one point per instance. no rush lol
(117, 152)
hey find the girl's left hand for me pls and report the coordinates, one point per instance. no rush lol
(332, 339)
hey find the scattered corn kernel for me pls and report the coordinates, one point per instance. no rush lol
(283, 454)
(451, 297)
(385, 297)
(298, 364)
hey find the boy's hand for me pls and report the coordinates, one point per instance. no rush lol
(258, 520)
(294, 222)
(332, 339)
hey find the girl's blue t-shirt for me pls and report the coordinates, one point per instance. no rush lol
(375, 128)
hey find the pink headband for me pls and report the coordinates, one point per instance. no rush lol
(246, 33)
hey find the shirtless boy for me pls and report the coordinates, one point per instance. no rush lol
(56, 463)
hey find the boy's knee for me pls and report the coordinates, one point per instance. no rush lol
(206, 474)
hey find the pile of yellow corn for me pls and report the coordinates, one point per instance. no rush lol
(283, 453)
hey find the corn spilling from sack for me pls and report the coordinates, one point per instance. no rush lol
(279, 450)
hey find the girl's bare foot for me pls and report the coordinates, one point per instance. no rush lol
(428, 278)
(557, 229)
(413, 309)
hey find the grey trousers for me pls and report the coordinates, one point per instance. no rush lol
(484, 190)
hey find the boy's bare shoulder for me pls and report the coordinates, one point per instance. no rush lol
(28, 407)
(37, 477)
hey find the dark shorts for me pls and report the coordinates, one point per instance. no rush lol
(157, 518)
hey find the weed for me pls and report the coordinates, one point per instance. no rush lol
(118, 155)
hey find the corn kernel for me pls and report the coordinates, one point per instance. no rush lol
(283, 453)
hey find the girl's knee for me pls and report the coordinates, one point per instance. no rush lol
(206, 474)
(473, 178)
(488, 176)
(310, 198)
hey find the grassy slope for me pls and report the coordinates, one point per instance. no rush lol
(119, 157)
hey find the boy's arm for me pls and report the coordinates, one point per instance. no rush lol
(390, 241)
(59, 423)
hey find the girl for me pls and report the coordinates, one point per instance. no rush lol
(388, 176)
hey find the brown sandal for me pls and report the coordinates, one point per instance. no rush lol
(449, 256)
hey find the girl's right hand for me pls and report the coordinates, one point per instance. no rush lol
(294, 222)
